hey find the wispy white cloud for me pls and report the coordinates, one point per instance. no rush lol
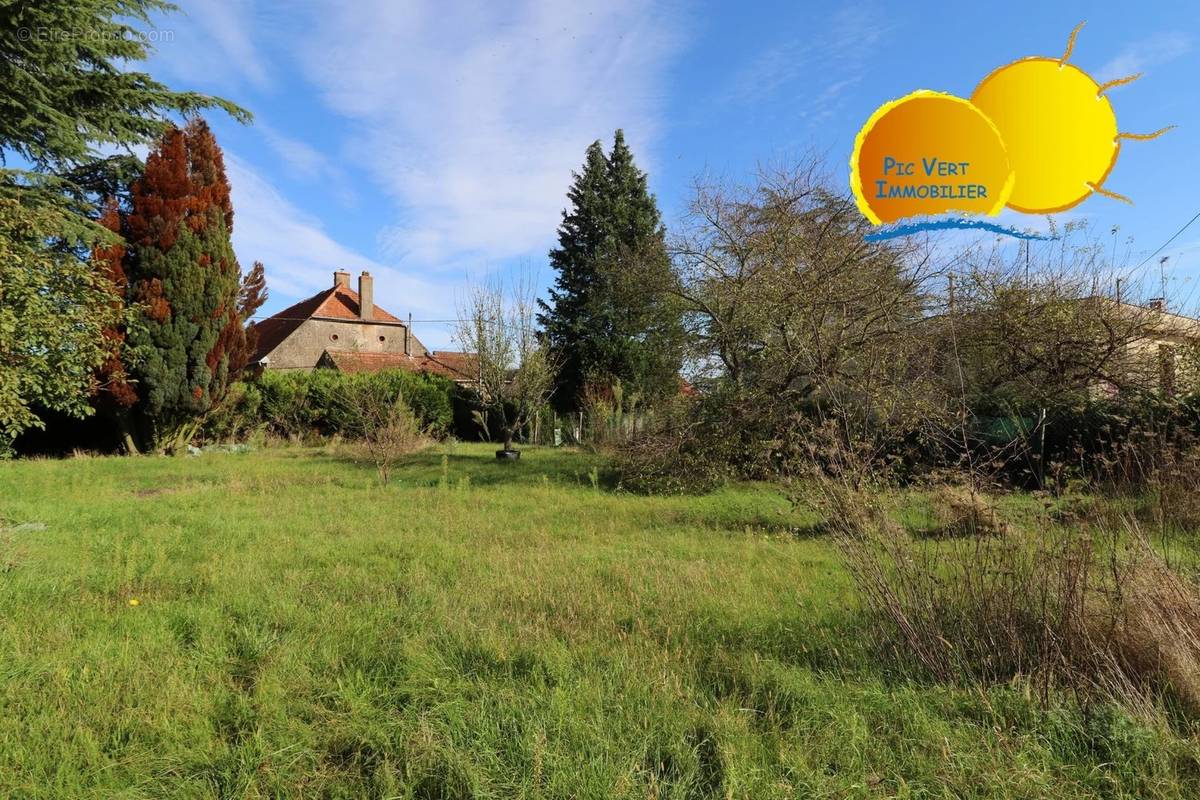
(1145, 54)
(471, 115)
(308, 164)
(302, 159)
(837, 54)
(213, 41)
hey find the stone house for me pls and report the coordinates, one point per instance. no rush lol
(1165, 346)
(339, 328)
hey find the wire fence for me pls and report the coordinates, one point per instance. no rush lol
(595, 427)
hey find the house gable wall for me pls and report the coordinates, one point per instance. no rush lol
(303, 347)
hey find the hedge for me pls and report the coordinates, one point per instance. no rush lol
(327, 402)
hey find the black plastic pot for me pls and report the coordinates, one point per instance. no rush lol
(508, 455)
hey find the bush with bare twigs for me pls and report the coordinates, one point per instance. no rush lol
(1159, 469)
(964, 511)
(389, 431)
(691, 447)
(919, 358)
(513, 369)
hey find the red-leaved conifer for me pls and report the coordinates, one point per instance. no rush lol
(185, 280)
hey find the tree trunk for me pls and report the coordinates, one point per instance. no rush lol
(508, 438)
(125, 433)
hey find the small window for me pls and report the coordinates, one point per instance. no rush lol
(383, 338)
(333, 337)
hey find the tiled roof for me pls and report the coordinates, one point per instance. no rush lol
(457, 364)
(352, 362)
(339, 302)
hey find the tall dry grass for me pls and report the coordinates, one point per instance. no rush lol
(1093, 610)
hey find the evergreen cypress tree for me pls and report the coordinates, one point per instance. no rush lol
(645, 349)
(611, 315)
(581, 237)
(184, 277)
(72, 105)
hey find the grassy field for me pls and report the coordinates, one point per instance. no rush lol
(276, 624)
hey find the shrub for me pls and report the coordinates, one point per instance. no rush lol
(284, 404)
(1163, 477)
(429, 396)
(389, 431)
(687, 450)
(237, 415)
(667, 462)
(964, 511)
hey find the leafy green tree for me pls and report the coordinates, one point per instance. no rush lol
(54, 309)
(185, 280)
(613, 314)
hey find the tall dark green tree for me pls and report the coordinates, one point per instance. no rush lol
(613, 316)
(576, 293)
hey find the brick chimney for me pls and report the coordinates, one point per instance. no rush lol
(366, 296)
(341, 278)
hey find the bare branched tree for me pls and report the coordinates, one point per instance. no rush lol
(812, 336)
(794, 308)
(389, 430)
(1025, 338)
(513, 371)
(1032, 321)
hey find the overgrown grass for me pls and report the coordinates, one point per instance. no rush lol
(478, 629)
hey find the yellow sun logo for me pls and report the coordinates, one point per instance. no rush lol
(1058, 127)
(1038, 135)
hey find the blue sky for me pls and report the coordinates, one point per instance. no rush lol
(432, 143)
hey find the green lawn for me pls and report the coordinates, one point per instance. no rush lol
(478, 630)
